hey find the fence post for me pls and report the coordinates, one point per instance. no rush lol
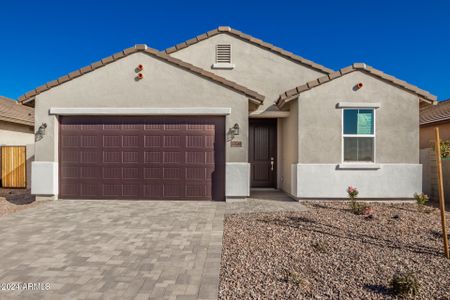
(437, 147)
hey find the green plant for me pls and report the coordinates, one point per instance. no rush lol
(404, 284)
(445, 148)
(319, 246)
(295, 277)
(356, 207)
(421, 200)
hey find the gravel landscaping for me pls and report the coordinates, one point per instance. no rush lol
(13, 200)
(328, 252)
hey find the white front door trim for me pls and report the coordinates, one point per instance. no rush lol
(140, 111)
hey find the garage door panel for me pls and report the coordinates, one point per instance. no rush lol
(153, 172)
(90, 189)
(153, 191)
(171, 158)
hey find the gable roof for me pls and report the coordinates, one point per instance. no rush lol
(252, 95)
(435, 113)
(293, 93)
(12, 111)
(252, 40)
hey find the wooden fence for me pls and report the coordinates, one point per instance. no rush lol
(14, 169)
(429, 175)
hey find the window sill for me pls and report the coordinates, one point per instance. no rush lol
(225, 66)
(359, 166)
(361, 105)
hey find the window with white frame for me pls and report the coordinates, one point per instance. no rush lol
(358, 135)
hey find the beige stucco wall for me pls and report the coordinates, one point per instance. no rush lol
(164, 85)
(427, 134)
(289, 150)
(256, 68)
(15, 134)
(320, 128)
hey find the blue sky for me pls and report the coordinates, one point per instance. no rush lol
(42, 40)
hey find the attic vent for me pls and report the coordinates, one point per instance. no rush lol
(223, 57)
(223, 54)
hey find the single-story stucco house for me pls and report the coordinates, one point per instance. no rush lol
(222, 113)
(16, 129)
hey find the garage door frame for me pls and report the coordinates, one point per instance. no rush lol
(218, 182)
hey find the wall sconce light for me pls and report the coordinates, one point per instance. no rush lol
(40, 132)
(235, 129)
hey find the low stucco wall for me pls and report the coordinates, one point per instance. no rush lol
(399, 181)
(114, 86)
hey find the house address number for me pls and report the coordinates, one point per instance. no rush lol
(236, 144)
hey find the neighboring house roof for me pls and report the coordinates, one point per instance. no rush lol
(252, 40)
(435, 113)
(254, 96)
(12, 111)
(293, 93)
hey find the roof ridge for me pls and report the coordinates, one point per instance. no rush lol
(292, 93)
(250, 39)
(144, 48)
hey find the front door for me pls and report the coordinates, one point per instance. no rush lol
(263, 152)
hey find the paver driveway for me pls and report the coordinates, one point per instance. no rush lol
(114, 249)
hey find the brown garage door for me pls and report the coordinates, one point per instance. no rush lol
(174, 158)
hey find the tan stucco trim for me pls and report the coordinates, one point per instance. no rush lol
(252, 95)
(293, 93)
(140, 111)
(252, 40)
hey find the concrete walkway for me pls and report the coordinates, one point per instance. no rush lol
(114, 250)
(122, 249)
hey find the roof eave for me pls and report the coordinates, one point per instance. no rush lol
(30, 96)
(250, 39)
(293, 93)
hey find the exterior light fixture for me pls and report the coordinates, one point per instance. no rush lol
(359, 85)
(235, 129)
(140, 67)
(40, 132)
(140, 76)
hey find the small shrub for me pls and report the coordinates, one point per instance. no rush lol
(404, 284)
(356, 207)
(319, 246)
(421, 200)
(295, 278)
(352, 192)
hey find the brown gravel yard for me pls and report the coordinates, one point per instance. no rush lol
(330, 253)
(13, 200)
